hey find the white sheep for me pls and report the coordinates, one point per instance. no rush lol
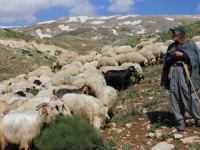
(143, 44)
(23, 127)
(124, 49)
(196, 38)
(54, 102)
(168, 42)
(198, 44)
(133, 57)
(43, 70)
(109, 98)
(88, 107)
(61, 77)
(148, 55)
(106, 61)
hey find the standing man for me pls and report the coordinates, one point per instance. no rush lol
(182, 51)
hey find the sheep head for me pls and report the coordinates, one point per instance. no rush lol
(47, 111)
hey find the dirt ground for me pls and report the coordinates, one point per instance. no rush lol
(142, 117)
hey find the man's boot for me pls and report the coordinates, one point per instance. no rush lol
(181, 125)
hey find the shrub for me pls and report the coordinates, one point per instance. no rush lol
(69, 133)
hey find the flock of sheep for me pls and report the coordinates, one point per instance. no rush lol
(84, 87)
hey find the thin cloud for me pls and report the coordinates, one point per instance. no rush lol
(13, 10)
(120, 6)
(198, 7)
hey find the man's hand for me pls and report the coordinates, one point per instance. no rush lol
(177, 54)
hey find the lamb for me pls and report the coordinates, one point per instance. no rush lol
(138, 74)
(61, 92)
(22, 127)
(119, 79)
(87, 107)
(106, 61)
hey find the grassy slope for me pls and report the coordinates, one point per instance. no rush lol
(17, 61)
(192, 30)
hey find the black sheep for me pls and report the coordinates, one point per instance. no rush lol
(119, 79)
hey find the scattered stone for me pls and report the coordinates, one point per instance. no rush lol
(144, 111)
(151, 135)
(178, 136)
(141, 119)
(114, 129)
(111, 125)
(175, 130)
(190, 140)
(148, 127)
(150, 98)
(128, 125)
(163, 146)
(149, 143)
(158, 134)
(169, 140)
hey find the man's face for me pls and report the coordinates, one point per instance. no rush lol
(176, 35)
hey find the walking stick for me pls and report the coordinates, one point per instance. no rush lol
(190, 80)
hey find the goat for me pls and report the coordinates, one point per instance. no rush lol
(119, 79)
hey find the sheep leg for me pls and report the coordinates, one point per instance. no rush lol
(23, 145)
(3, 143)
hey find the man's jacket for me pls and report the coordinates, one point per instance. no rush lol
(192, 52)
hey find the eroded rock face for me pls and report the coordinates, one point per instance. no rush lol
(163, 146)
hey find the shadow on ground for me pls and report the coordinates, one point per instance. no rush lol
(162, 118)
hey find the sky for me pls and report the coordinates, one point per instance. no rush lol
(26, 12)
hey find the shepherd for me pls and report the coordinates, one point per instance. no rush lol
(183, 58)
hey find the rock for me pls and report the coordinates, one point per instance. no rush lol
(178, 136)
(151, 135)
(114, 129)
(141, 119)
(190, 140)
(158, 134)
(173, 131)
(150, 98)
(149, 143)
(111, 125)
(128, 125)
(169, 140)
(163, 146)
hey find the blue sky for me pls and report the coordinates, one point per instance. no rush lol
(26, 12)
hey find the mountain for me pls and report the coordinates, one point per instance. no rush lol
(105, 27)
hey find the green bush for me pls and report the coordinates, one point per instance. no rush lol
(69, 133)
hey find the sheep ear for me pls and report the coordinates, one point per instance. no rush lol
(41, 106)
(53, 99)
